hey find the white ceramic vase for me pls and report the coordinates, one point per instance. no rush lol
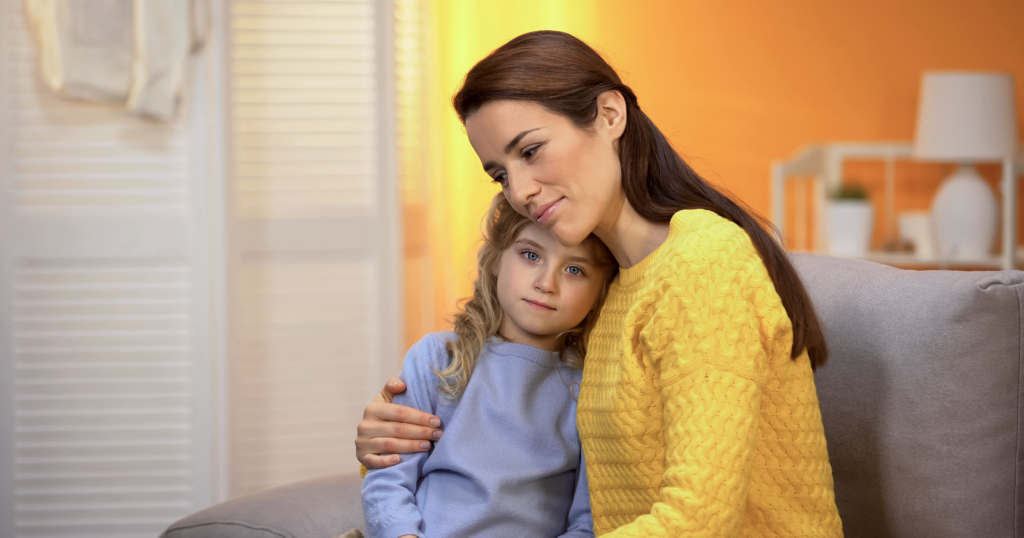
(849, 224)
(966, 215)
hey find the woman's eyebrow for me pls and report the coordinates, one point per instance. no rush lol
(515, 141)
(510, 146)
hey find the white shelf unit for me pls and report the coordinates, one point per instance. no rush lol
(822, 165)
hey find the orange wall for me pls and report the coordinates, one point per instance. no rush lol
(735, 85)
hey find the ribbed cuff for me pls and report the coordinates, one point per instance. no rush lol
(399, 528)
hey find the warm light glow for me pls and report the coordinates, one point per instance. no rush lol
(460, 33)
(466, 30)
(732, 87)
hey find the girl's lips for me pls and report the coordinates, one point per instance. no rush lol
(541, 306)
(545, 213)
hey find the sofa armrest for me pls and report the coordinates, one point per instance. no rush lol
(321, 508)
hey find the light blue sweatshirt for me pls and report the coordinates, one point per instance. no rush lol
(509, 462)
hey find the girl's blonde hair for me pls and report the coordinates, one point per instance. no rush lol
(481, 315)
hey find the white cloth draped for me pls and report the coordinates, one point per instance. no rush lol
(134, 52)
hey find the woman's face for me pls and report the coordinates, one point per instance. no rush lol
(565, 179)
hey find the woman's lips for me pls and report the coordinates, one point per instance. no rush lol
(544, 213)
(541, 306)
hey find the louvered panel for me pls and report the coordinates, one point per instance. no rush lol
(312, 245)
(102, 400)
(303, 347)
(303, 79)
(102, 288)
(102, 397)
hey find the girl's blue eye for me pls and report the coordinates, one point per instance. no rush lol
(532, 256)
(573, 270)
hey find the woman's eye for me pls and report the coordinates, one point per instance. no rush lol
(530, 151)
(532, 256)
(574, 270)
(501, 179)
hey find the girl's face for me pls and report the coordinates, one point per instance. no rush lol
(565, 179)
(545, 288)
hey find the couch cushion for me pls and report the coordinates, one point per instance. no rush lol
(922, 397)
(321, 508)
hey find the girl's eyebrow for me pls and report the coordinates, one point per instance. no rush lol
(537, 246)
(533, 244)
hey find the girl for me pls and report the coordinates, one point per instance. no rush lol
(504, 384)
(697, 412)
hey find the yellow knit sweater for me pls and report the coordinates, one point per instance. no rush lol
(694, 419)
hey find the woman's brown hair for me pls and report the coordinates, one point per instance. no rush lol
(566, 76)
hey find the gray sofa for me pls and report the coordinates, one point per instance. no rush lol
(922, 401)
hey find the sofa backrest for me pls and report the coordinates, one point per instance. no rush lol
(922, 397)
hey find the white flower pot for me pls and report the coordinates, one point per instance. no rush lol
(849, 225)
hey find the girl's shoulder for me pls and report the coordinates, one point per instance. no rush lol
(431, 350)
(440, 338)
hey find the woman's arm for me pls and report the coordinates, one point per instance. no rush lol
(708, 458)
(705, 343)
(392, 429)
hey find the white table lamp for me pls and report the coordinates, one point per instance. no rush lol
(966, 117)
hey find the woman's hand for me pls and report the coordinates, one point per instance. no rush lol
(389, 428)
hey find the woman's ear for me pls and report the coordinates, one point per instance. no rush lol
(611, 114)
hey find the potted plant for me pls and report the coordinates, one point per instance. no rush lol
(849, 220)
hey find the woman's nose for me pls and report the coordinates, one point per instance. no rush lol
(521, 187)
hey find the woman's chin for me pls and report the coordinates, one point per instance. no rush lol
(568, 236)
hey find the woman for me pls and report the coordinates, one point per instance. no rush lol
(697, 411)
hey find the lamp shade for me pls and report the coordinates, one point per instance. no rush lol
(966, 117)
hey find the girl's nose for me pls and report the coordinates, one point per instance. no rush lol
(546, 282)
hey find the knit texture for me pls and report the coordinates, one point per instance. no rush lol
(694, 419)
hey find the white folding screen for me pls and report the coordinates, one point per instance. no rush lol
(108, 323)
(141, 285)
(316, 325)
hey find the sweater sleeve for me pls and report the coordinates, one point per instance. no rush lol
(389, 495)
(703, 339)
(581, 523)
